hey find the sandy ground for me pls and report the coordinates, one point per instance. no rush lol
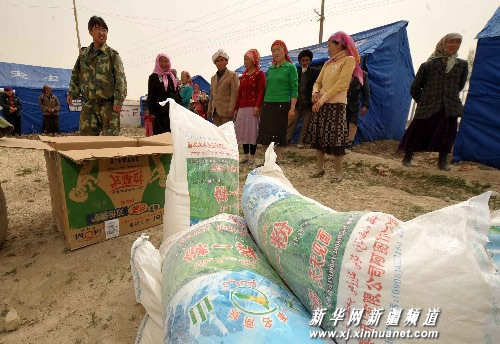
(87, 295)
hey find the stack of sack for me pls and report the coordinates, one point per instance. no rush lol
(264, 277)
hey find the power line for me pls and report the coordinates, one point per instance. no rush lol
(120, 17)
(218, 29)
(165, 32)
(227, 39)
(137, 60)
(37, 6)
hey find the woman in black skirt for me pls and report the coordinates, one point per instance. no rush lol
(162, 84)
(328, 126)
(436, 91)
(279, 99)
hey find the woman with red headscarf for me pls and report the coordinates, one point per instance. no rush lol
(279, 98)
(248, 103)
(328, 126)
(162, 84)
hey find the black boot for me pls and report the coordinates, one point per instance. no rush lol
(407, 159)
(442, 164)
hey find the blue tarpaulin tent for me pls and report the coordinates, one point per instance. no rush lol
(386, 57)
(28, 81)
(204, 85)
(478, 138)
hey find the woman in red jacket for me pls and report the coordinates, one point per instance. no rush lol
(247, 109)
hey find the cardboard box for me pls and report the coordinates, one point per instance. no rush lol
(104, 186)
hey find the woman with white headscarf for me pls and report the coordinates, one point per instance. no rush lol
(436, 90)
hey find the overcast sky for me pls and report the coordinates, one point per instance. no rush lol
(189, 31)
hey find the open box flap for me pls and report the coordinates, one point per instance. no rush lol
(23, 143)
(65, 143)
(90, 154)
(156, 140)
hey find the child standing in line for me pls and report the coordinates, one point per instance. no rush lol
(148, 123)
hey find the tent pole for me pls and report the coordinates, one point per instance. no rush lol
(321, 20)
(76, 24)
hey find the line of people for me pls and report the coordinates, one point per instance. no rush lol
(267, 106)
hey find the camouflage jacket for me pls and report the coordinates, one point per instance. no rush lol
(99, 76)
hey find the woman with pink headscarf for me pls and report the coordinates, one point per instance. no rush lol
(248, 103)
(280, 98)
(162, 84)
(328, 126)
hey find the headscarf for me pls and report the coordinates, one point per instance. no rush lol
(164, 74)
(351, 50)
(283, 45)
(440, 52)
(220, 53)
(254, 55)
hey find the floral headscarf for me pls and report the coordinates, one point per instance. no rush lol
(254, 55)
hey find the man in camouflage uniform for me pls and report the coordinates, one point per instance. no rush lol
(98, 76)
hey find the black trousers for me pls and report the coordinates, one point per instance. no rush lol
(15, 120)
(50, 124)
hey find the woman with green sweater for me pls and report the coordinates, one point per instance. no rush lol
(279, 99)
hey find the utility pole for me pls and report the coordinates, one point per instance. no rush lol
(76, 24)
(321, 20)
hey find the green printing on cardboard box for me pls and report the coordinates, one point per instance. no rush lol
(105, 189)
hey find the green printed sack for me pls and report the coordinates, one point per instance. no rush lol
(367, 271)
(217, 287)
(203, 180)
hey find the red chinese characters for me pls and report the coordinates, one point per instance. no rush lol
(314, 300)
(280, 234)
(268, 322)
(248, 322)
(220, 194)
(282, 317)
(246, 251)
(319, 250)
(126, 179)
(195, 251)
(234, 314)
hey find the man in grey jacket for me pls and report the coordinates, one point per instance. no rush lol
(50, 107)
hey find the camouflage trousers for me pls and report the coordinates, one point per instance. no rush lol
(97, 118)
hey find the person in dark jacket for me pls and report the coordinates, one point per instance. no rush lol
(11, 109)
(307, 78)
(436, 91)
(357, 94)
(50, 108)
(162, 84)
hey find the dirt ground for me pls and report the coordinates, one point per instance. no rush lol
(87, 295)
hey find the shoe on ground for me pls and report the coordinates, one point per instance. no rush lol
(300, 146)
(317, 174)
